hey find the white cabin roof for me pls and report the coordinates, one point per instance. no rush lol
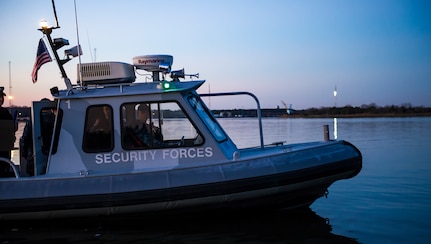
(128, 89)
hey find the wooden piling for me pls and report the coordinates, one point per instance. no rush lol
(326, 132)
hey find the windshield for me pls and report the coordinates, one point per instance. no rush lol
(208, 119)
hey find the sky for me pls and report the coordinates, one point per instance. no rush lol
(291, 51)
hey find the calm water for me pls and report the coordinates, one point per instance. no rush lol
(388, 202)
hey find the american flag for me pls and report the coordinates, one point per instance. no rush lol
(42, 57)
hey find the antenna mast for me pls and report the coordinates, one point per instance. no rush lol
(79, 45)
(57, 44)
(55, 15)
(10, 88)
(209, 98)
(335, 97)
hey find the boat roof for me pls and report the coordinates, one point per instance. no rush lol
(126, 89)
(104, 79)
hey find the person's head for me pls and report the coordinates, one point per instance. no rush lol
(107, 111)
(2, 95)
(143, 113)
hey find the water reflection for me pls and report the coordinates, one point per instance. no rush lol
(303, 226)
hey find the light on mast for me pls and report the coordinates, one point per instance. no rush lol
(44, 24)
(335, 96)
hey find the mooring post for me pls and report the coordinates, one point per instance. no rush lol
(326, 132)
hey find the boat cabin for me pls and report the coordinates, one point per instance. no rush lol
(100, 128)
(114, 124)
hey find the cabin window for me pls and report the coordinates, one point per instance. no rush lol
(156, 125)
(98, 131)
(208, 119)
(47, 120)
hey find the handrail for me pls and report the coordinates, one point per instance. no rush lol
(242, 93)
(53, 135)
(12, 165)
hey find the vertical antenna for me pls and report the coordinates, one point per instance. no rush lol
(10, 88)
(79, 45)
(89, 44)
(335, 97)
(209, 97)
(55, 15)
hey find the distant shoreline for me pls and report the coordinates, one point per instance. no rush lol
(324, 112)
(367, 115)
(344, 112)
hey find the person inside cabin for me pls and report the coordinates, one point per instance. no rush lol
(5, 115)
(99, 131)
(102, 123)
(148, 134)
(130, 140)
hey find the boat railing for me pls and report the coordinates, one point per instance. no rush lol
(12, 165)
(259, 114)
(51, 146)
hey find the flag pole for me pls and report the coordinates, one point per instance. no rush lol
(47, 31)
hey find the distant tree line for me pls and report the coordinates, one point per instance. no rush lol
(365, 110)
(368, 110)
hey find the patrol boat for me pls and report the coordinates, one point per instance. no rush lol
(82, 153)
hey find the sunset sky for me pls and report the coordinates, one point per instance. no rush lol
(375, 51)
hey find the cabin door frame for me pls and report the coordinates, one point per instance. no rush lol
(40, 129)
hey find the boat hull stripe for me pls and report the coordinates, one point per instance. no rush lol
(352, 165)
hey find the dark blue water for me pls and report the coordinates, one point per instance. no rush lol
(388, 202)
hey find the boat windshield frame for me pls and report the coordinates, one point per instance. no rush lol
(207, 118)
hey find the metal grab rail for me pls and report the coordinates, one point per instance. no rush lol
(259, 116)
(12, 165)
